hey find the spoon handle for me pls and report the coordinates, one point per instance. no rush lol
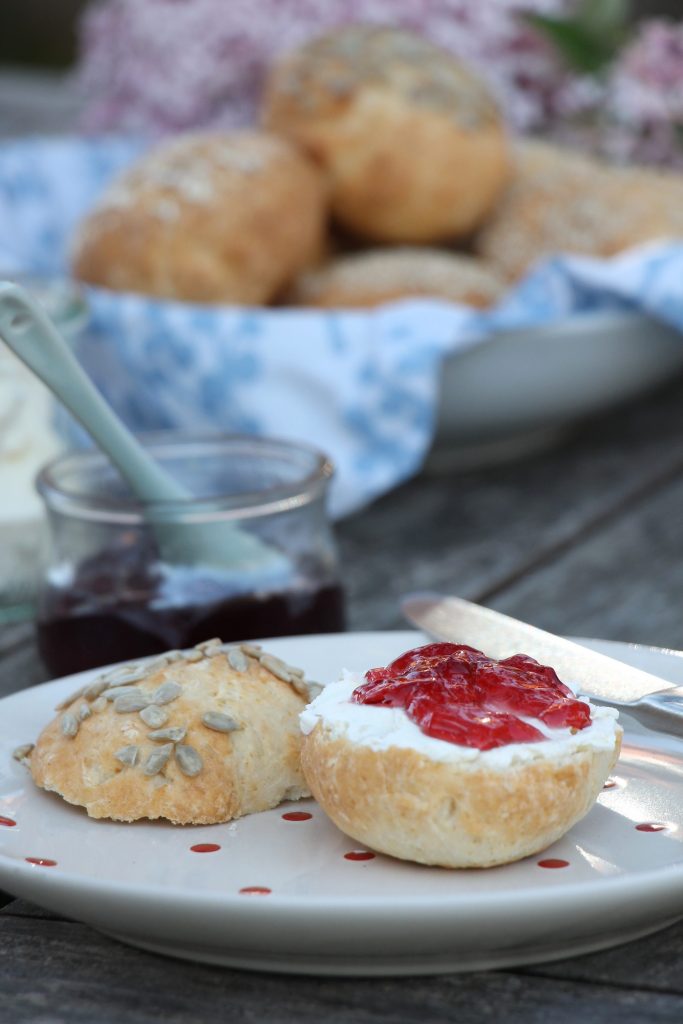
(30, 334)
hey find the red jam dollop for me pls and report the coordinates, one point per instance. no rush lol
(458, 694)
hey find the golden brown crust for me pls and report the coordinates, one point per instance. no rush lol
(370, 278)
(413, 143)
(560, 201)
(251, 769)
(402, 803)
(207, 218)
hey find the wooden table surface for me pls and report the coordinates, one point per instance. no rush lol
(586, 539)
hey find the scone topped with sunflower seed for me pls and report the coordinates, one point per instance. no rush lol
(196, 737)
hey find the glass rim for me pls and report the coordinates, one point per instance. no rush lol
(81, 504)
(70, 313)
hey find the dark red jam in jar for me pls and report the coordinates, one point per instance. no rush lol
(120, 585)
(124, 604)
(456, 693)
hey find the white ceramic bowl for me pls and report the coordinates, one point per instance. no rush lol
(517, 391)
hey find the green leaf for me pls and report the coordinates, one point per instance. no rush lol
(581, 49)
(608, 18)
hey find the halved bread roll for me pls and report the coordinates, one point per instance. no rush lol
(393, 788)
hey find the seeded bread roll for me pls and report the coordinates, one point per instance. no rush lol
(370, 278)
(559, 201)
(427, 800)
(195, 737)
(207, 218)
(413, 143)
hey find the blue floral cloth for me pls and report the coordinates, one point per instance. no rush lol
(362, 386)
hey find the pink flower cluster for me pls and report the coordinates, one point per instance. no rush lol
(162, 66)
(171, 65)
(644, 96)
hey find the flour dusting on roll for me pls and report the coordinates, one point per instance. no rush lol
(449, 758)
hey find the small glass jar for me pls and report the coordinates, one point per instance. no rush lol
(28, 439)
(126, 579)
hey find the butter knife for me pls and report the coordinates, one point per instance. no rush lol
(652, 701)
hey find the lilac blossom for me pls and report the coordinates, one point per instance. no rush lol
(163, 65)
(644, 101)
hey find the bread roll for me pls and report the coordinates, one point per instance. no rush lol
(195, 737)
(207, 218)
(370, 278)
(562, 202)
(413, 796)
(413, 143)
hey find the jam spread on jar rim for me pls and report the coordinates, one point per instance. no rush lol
(458, 694)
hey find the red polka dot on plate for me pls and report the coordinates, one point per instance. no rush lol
(7, 822)
(205, 848)
(651, 826)
(359, 855)
(297, 816)
(42, 862)
(255, 890)
(553, 862)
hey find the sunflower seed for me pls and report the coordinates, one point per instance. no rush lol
(276, 667)
(128, 702)
(189, 761)
(212, 652)
(215, 641)
(126, 674)
(128, 755)
(219, 722)
(116, 691)
(99, 704)
(314, 690)
(69, 700)
(69, 725)
(154, 717)
(294, 671)
(172, 656)
(300, 685)
(176, 734)
(192, 655)
(93, 691)
(117, 670)
(253, 649)
(167, 692)
(21, 753)
(238, 660)
(157, 760)
(84, 711)
(158, 663)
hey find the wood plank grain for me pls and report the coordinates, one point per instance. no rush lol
(652, 963)
(623, 582)
(475, 532)
(53, 971)
(22, 908)
(38, 101)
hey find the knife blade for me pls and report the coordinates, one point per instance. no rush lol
(656, 703)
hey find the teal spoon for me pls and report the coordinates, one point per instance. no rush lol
(32, 336)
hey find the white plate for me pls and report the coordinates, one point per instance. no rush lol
(520, 389)
(324, 913)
